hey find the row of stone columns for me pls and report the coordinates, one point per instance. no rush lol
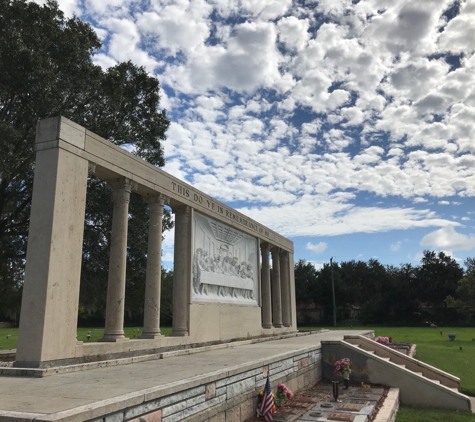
(114, 326)
(275, 290)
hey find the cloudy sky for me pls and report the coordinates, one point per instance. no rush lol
(347, 126)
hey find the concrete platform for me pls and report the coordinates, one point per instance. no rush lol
(96, 393)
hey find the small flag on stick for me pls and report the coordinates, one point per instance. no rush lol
(267, 403)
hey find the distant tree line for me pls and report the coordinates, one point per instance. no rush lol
(437, 291)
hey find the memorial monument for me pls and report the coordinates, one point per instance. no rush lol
(224, 285)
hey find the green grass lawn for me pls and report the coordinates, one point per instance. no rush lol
(413, 414)
(9, 336)
(438, 351)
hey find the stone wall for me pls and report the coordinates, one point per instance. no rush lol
(219, 291)
(231, 398)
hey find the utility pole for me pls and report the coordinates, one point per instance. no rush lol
(333, 291)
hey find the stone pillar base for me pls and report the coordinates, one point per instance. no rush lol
(179, 333)
(150, 336)
(278, 325)
(113, 339)
(267, 327)
(288, 324)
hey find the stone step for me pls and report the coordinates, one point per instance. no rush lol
(418, 373)
(370, 351)
(387, 359)
(436, 381)
(454, 389)
(401, 365)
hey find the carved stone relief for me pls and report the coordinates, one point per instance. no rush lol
(224, 263)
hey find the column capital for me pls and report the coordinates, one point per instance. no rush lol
(122, 184)
(265, 247)
(283, 252)
(121, 189)
(156, 199)
(275, 249)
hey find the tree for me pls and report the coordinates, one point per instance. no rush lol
(46, 70)
(438, 278)
(469, 265)
(305, 281)
(465, 302)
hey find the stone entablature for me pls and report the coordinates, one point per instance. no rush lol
(111, 161)
(215, 298)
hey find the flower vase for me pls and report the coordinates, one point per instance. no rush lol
(346, 378)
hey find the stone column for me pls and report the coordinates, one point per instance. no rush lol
(265, 288)
(182, 270)
(151, 324)
(114, 329)
(276, 292)
(49, 310)
(285, 288)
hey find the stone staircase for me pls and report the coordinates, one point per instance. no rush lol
(420, 384)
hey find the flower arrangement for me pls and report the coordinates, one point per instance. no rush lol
(342, 368)
(382, 340)
(283, 394)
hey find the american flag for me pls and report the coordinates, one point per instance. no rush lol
(267, 403)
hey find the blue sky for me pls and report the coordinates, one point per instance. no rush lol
(347, 126)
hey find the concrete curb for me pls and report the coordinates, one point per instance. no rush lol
(388, 411)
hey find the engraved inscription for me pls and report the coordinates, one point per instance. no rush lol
(350, 406)
(229, 213)
(340, 417)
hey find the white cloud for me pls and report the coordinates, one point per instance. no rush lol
(182, 26)
(123, 45)
(396, 246)
(343, 123)
(458, 34)
(293, 32)
(447, 238)
(318, 248)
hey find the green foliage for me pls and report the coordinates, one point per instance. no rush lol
(46, 70)
(465, 304)
(166, 298)
(384, 294)
(305, 281)
(414, 414)
(438, 278)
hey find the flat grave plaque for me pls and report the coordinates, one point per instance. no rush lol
(307, 399)
(364, 391)
(362, 395)
(302, 404)
(283, 417)
(363, 402)
(350, 406)
(340, 417)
